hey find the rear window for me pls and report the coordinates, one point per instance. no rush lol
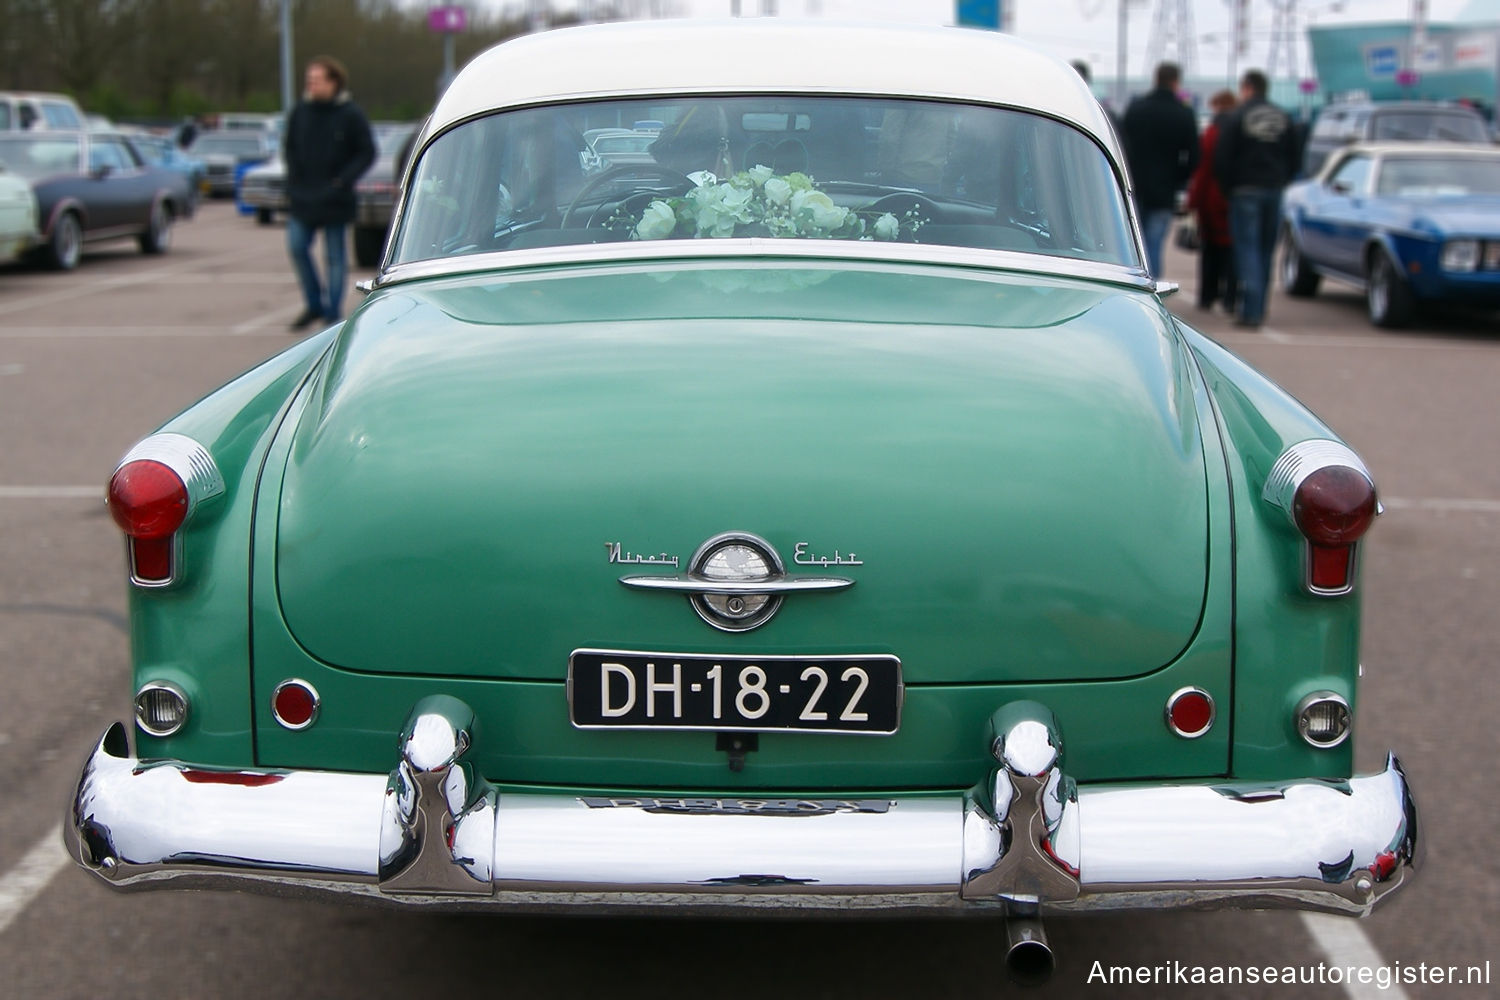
(60, 116)
(771, 167)
(1451, 126)
(35, 159)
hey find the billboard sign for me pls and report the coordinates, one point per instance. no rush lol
(1382, 61)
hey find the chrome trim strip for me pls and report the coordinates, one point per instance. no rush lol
(768, 249)
(691, 583)
(1301, 460)
(1335, 846)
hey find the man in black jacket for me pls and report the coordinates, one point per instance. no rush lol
(327, 147)
(1161, 146)
(1256, 157)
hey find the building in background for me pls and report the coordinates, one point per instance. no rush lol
(1379, 61)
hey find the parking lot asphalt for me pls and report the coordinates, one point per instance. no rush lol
(92, 360)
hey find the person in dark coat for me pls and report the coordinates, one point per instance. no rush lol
(1161, 147)
(1216, 280)
(1256, 156)
(327, 147)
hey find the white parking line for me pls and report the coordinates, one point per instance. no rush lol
(75, 332)
(51, 492)
(24, 882)
(1345, 945)
(1446, 506)
(74, 291)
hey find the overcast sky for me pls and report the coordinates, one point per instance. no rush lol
(1085, 29)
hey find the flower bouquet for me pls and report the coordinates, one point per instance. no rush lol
(758, 202)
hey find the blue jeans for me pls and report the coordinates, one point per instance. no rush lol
(1154, 225)
(1254, 214)
(299, 237)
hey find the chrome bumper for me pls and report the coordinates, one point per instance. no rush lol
(1026, 839)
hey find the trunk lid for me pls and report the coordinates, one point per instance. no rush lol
(1014, 462)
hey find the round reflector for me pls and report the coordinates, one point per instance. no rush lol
(1190, 712)
(1323, 719)
(294, 703)
(160, 708)
(147, 499)
(1334, 505)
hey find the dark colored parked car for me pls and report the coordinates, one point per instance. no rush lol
(162, 151)
(1407, 222)
(1399, 121)
(224, 152)
(377, 190)
(94, 186)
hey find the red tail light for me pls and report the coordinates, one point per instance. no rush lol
(1328, 495)
(152, 494)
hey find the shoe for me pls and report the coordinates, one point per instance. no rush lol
(305, 320)
(1247, 324)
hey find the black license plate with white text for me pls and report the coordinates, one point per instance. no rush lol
(610, 689)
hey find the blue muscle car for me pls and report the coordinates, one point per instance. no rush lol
(1406, 222)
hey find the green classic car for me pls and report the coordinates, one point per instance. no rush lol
(826, 514)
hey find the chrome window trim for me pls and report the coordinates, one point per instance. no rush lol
(763, 248)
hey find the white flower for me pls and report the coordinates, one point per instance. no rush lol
(657, 222)
(760, 173)
(703, 177)
(778, 191)
(818, 209)
(886, 227)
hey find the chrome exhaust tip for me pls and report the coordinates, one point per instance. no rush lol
(1028, 956)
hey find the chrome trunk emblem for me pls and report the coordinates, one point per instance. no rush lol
(735, 581)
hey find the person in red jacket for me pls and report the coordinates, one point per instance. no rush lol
(1216, 273)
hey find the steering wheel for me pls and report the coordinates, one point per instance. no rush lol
(899, 204)
(615, 173)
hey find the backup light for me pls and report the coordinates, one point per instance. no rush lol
(1323, 719)
(161, 708)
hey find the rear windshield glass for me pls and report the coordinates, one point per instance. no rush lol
(1449, 125)
(1430, 176)
(877, 169)
(38, 158)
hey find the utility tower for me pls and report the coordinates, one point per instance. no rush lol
(1283, 38)
(1173, 36)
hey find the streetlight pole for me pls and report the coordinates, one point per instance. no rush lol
(286, 57)
(1122, 49)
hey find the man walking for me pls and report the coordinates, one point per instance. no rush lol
(1161, 147)
(327, 147)
(1255, 158)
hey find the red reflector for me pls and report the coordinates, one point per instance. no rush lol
(295, 704)
(247, 779)
(1384, 866)
(151, 558)
(1329, 568)
(147, 499)
(1190, 712)
(1334, 506)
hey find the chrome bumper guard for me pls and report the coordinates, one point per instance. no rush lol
(1026, 840)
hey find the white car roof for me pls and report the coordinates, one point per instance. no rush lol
(766, 55)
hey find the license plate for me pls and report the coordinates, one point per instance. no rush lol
(823, 694)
